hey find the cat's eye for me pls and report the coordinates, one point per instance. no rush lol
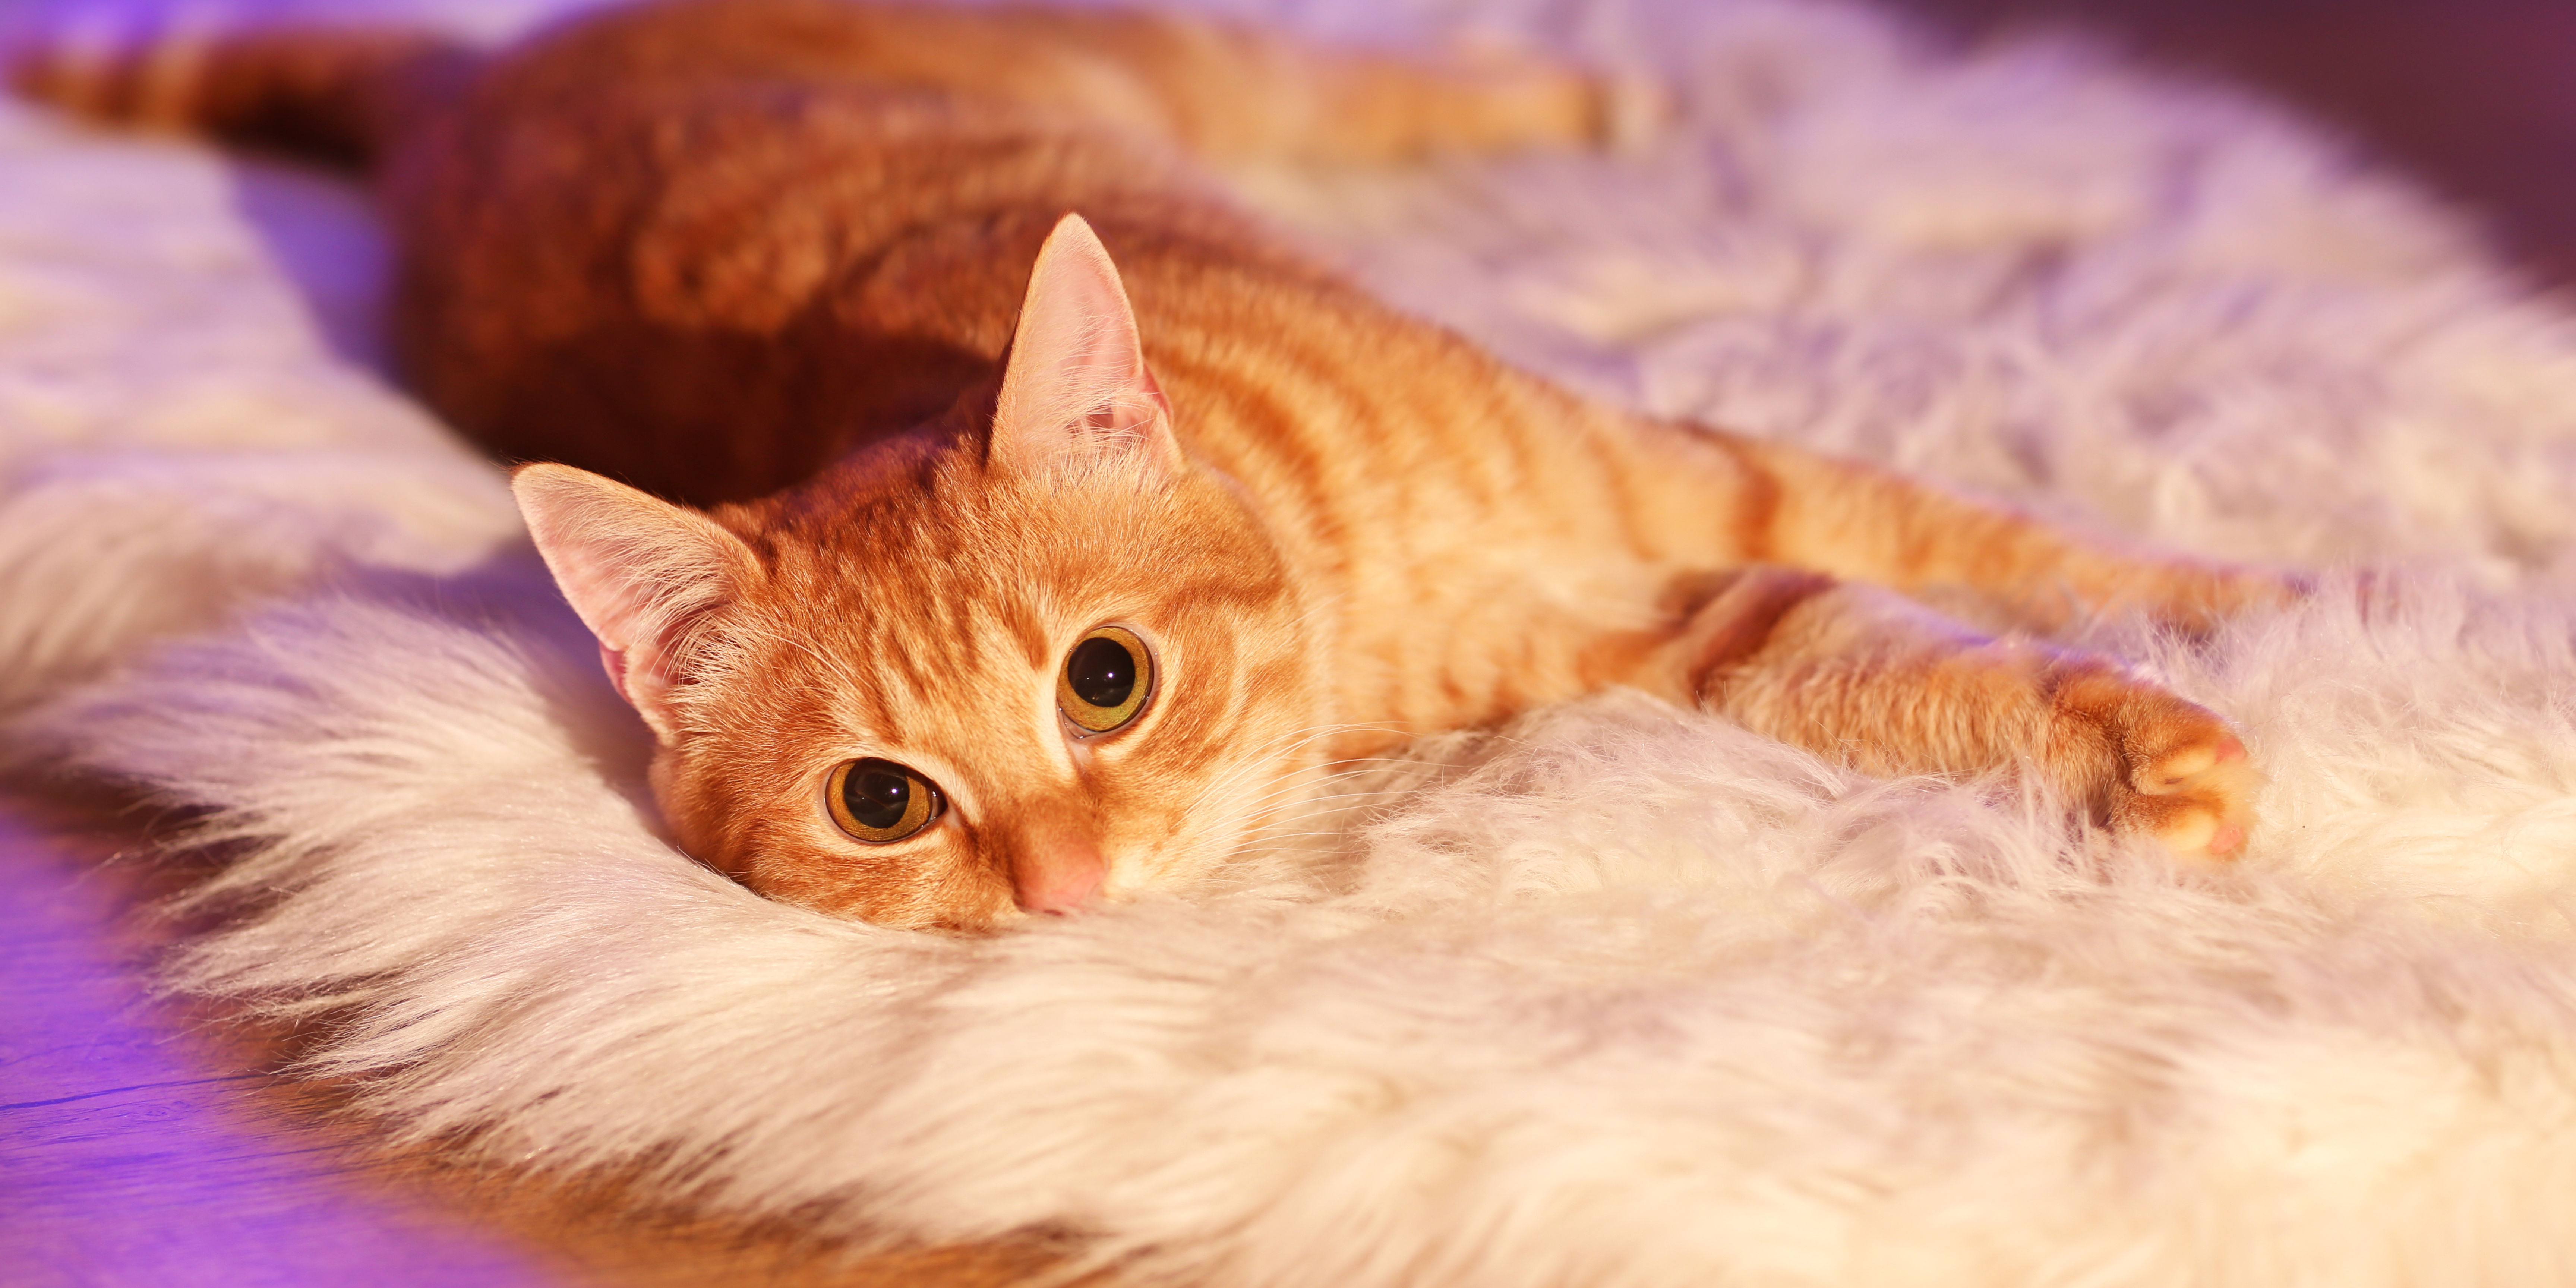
(879, 801)
(1106, 679)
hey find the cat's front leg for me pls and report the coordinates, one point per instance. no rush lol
(1861, 521)
(1891, 687)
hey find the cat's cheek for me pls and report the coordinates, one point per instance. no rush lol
(934, 886)
(1171, 869)
(1189, 849)
(676, 808)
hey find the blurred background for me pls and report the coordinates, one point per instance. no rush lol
(2476, 98)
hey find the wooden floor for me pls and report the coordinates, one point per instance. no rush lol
(135, 1149)
(143, 1145)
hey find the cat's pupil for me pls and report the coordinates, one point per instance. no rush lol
(1102, 672)
(877, 794)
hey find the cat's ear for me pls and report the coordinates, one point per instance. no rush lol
(639, 570)
(1077, 383)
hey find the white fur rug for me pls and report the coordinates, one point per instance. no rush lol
(1624, 997)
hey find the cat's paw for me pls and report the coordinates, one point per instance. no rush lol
(2197, 797)
(2179, 774)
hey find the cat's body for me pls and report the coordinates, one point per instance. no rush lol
(736, 252)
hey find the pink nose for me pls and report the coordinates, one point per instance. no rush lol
(1059, 878)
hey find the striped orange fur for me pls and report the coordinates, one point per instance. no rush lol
(811, 265)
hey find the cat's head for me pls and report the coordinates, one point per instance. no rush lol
(959, 677)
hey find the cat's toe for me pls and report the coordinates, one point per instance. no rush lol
(2194, 788)
(2178, 767)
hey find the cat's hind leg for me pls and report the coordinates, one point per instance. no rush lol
(1345, 105)
(1232, 92)
(1224, 91)
(1892, 687)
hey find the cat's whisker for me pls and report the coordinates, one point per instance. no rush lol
(1313, 785)
(1266, 759)
(1303, 795)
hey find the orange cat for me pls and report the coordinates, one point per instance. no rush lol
(1062, 523)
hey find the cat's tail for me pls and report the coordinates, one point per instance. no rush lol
(332, 94)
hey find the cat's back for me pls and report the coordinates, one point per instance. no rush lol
(712, 247)
(707, 250)
(709, 246)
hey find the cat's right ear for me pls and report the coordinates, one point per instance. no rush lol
(1076, 384)
(636, 568)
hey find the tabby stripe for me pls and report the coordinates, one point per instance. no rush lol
(1757, 497)
(1754, 606)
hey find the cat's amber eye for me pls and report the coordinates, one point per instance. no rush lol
(1106, 679)
(879, 801)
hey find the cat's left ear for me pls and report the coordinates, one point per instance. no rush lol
(1077, 383)
(639, 570)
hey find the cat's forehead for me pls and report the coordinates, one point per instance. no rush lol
(945, 561)
(884, 538)
(958, 595)
(958, 665)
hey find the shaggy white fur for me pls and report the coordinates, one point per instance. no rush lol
(1623, 995)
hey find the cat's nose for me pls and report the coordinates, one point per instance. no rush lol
(1060, 875)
